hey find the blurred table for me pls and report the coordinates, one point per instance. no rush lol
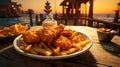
(99, 55)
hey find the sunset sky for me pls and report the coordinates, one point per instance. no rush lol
(100, 6)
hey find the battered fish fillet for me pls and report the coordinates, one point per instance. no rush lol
(31, 37)
(66, 33)
(60, 27)
(47, 35)
(63, 42)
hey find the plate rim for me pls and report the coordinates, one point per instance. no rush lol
(16, 47)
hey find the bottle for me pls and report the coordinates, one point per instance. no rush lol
(49, 21)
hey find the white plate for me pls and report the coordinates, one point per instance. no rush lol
(16, 44)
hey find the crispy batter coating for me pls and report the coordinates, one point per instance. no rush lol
(63, 42)
(53, 41)
(60, 27)
(66, 33)
(31, 37)
(47, 34)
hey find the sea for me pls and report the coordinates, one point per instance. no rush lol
(24, 19)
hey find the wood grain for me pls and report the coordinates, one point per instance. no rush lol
(99, 55)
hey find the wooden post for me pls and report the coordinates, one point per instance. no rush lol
(90, 22)
(76, 9)
(56, 15)
(72, 6)
(65, 21)
(30, 15)
(116, 16)
(41, 18)
(97, 24)
(118, 30)
(37, 22)
(75, 21)
(85, 11)
(63, 12)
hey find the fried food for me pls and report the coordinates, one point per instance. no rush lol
(13, 30)
(31, 37)
(60, 27)
(53, 41)
(67, 33)
(63, 42)
(78, 38)
(47, 34)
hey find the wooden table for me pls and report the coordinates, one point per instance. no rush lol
(99, 55)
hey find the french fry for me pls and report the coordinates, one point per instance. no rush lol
(63, 53)
(13, 30)
(33, 52)
(83, 43)
(23, 43)
(1, 31)
(16, 28)
(69, 51)
(22, 47)
(42, 51)
(46, 47)
(11, 34)
(2, 35)
(39, 45)
(25, 27)
(77, 45)
(6, 29)
(77, 40)
(57, 51)
(73, 35)
(28, 48)
(51, 47)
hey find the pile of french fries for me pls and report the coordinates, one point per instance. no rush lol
(13, 30)
(49, 50)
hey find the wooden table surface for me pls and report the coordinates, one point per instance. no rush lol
(99, 55)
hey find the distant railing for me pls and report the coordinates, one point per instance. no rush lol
(80, 21)
(97, 23)
(94, 23)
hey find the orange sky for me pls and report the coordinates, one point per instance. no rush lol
(100, 6)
